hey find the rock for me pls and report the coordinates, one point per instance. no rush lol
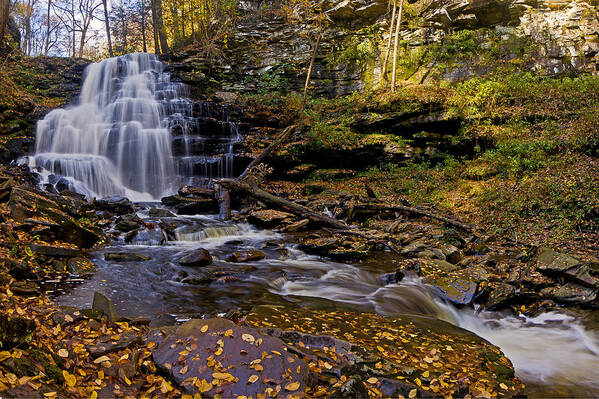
(392, 278)
(191, 206)
(246, 256)
(268, 218)
(80, 266)
(16, 330)
(238, 350)
(55, 250)
(571, 294)
(203, 192)
(359, 340)
(127, 223)
(104, 305)
(501, 296)
(297, 226)
(125, 257)
(458, 292)
(126, 340)
(557, 264)
(160, 212)
(116, 205)
(25, 288)
(198, 257)
(26, 204)
(153, 237)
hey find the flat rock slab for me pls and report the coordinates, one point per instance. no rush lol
(218, 357)
(104, 348)
(391, 355)
(557, 264)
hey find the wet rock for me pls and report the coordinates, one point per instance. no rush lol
(414, 248)
(500, 296)
(104, 305)
(477, 249)
(125, 257)
(203, 192)
(127, 223)
(557, 264)
(392, 278)
(196, 258)
(246, 256)
(191, 206)
(458, 292)
(571, 294)
(80, 266)
(453, 254)
(155, 236)
(160, 212)
(238, 349)
(268, 218)
(116, 205)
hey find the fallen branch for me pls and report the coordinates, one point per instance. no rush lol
(269, 150)
(266, 197)
(414, 211)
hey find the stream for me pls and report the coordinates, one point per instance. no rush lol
(135, 133)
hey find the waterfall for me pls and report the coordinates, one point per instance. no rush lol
(133, 132)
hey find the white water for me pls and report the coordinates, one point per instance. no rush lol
(118, 139)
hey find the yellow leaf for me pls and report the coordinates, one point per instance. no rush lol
(258, 367)
(413, 393)
(203, 385)
(503, 386)
(380, 348)
(248, 338)
(426, 374)
(70, 379)
(222, 376)
(127, 380)
(183, 370)
(50, 394)
(4, 355)
(204, 328)
(63, 353)
(94, 395)
(253, 378)
(229, 333)
(372, 380)
(218, 351)
(151, 344)
(11, 378)
(292, 386)
(101, 359)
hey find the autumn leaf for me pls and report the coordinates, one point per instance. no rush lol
(183, 370)
(4, 355)
(248, 338)
(292, 386)
(203, 386)
(413, 393)
(102, 359)
(204, 328)
(63, 353)
(372, 380)
(253, 378)
(70, 379)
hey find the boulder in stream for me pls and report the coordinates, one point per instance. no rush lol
(196, 258)
(216, 356)
(268, 218)
(116, 205)
(246, 256)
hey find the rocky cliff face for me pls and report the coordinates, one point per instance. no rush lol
(267, 53)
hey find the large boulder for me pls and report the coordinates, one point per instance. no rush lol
(25, 204)
(196, 258)
(552, 263)
(218, 357)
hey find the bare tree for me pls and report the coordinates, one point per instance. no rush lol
(107, 25)
(395, 46)
(388, 50)
(87, 12)
(155, 27)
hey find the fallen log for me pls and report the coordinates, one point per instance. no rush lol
(266, 197)
(414, 211)
(285, 134)
(224, 201)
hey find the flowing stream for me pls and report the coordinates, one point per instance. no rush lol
(135, 133)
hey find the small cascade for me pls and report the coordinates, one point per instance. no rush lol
(133, 133)
(186, 234)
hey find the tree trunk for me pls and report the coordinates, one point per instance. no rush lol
(143, 26)
(4, 11)
(47, 44)
(395, 45)
(388, 51)
(161, 30)
(107, 25)
(282, 203)
(309, 74)
(155, 27)
(275, 144)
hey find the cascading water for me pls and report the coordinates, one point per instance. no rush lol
(133, 133)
